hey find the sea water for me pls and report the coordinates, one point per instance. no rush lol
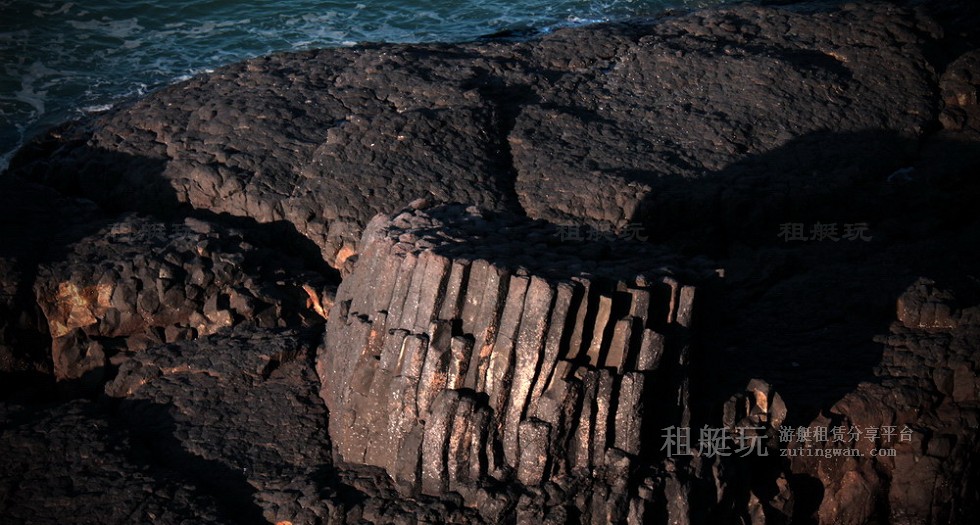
(60, 60)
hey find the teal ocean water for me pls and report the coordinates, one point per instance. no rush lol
(63, 59)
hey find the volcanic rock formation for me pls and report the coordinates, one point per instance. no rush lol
(741, 218)
(455, 354)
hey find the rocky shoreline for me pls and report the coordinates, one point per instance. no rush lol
(478, 283)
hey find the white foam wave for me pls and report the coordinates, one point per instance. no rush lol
(86, 56)
(98, 108)
(121, 29)
(61, 10)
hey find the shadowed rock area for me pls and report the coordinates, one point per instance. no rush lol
(492, 282)
(603, 127)
(139, 282)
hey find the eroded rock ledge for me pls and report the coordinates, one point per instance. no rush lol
(166, 270)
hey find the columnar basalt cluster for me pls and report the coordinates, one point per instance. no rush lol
(179, 254)
(467, 345)
(135, 283)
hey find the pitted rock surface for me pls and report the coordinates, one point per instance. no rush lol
(73, 462)
(605, 126)
(738, 143)
(455, 359)
(139, 282)
(614, 136)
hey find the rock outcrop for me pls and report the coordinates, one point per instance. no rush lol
(748, 223)
(37, 221)
(139, 282)
(607, 128)
(923, 405)
(456, 354)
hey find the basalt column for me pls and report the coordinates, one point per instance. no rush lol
(467, 346)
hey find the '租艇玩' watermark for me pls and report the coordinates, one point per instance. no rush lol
(714, 441)
(818, 231)
(602, 232)
(745, 441)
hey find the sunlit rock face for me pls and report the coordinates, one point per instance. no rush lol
(459, 350)
(609, 126)
(480, 367)
(139, 282)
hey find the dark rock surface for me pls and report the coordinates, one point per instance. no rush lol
(166, 269)
(474, 362)
(37, 222)
(236, 411)
(606, 127)
(71, 462)
(139, 282)
(927, 385)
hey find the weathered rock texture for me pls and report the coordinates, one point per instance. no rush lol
(139, 282)
(925, 387)
(37, 221)
(239, 414)
(605, 127)
(71, 463)
(236, 412)
(482, 367)
(961, 94)
(455, 354)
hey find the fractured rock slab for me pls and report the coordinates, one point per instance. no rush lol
(138, 282)
(237, 411)
(536, 348)
(605, 125)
